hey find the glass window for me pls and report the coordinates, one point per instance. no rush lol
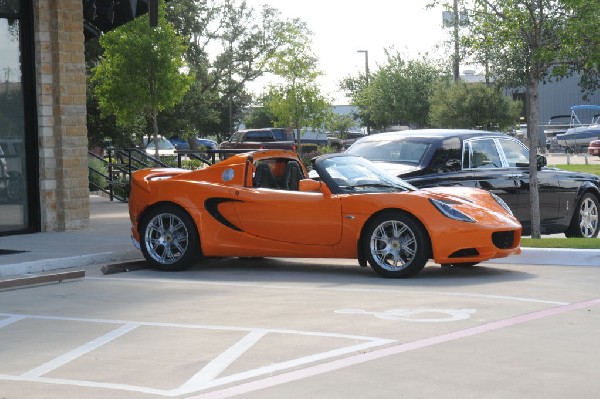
(447, 157)
(280, 135)
(484, 154)
(391, 151)
(516, 154)
(257, 135)
(13, 200)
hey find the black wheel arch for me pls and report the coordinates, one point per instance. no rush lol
(588, 187)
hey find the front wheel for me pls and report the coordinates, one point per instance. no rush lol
(396, 244)
(169, 239)
(585, 222)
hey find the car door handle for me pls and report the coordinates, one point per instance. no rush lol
(513, 176)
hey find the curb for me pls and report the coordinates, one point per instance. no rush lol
(554, 257)
(38, 266)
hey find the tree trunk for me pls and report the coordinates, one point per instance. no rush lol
(298, 141)
(532, 134)
(155, 131)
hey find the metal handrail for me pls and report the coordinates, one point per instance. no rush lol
(123, 162)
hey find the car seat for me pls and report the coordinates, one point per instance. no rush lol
(263, 177)
(292, 176)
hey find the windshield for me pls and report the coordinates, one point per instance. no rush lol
(163, 144)
(402, 151)
(352, 174)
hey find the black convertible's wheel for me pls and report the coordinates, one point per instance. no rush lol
(585, 222)
(396, 245)
(169, 239)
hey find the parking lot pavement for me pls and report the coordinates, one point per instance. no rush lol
(575, 159)
(273, 328)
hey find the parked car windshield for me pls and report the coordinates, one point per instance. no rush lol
(163, 144)
(355, 174)
(402, 151)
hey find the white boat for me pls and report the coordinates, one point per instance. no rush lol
(581, 134)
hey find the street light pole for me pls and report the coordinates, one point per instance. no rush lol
(366, 52)
(456, 61)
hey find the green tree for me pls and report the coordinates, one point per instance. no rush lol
(580, 47)
(398, 93)
(525, 43)
(355, 89)
(297, 102)
(241, 40)
(339, 124)
(141, 72)
(259, 117)
(472, 105)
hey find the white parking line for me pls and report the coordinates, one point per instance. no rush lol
(221, 362)
(78, 352)
(207, 377)
(337, 364)
(10, 320)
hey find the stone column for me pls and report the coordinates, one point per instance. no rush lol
(61, 104)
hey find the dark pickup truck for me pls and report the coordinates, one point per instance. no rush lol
(268, 138)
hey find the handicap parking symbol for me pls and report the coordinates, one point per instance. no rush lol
(416, 315)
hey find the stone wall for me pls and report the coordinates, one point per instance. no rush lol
(61, 104)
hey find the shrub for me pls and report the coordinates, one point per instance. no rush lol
(122, 187)
(96, 172)
(192, 164)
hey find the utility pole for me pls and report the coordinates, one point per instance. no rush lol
(456, 63)
(366, 52)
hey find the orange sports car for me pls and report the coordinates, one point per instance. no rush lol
(265, 204)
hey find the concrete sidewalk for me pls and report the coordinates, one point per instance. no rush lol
(107, 240)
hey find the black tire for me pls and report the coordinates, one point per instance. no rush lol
(169, 239)
(586, 218)
(396, 245)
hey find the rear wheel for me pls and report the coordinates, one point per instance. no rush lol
(585, 222)
(169, 239)
(396, 245)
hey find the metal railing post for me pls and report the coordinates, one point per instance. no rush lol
(110, 174)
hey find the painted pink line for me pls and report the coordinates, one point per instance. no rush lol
(389, 351)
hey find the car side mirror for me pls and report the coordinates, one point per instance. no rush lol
(309, 185)
(541, 162)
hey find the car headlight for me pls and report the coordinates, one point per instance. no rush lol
(502, 203)
(446, 208)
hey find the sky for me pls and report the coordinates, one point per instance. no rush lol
(341, 28)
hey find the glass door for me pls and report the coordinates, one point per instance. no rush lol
(13, 194)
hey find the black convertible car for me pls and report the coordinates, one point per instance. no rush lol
(569, 201)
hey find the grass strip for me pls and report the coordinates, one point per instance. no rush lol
(590, 168)
(573, 243)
